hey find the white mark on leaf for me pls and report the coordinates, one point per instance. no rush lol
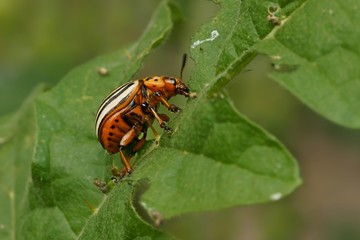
(276, 196)
(276, 57)
(103, 71)
(214, 35)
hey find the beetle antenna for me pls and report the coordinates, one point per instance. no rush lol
(183, 64)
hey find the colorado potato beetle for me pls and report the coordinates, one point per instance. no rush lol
(127, 113)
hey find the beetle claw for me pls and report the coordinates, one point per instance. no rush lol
(174, 108)
(192, 95)
(166, 128)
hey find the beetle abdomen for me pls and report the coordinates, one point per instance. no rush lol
(112, 131)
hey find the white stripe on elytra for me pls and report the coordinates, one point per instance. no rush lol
(109, 103)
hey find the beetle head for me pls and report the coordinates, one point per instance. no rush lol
(174, 86)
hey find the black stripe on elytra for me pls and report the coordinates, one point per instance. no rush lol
(110, 98)
(116, 94)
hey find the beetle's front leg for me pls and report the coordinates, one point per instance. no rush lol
(172, 108)
(160, 120)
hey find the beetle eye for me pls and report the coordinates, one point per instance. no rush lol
(144, 106)
(173, 81)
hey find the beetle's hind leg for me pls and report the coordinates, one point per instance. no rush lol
(127, 169)
(125, 141)
(127, 166)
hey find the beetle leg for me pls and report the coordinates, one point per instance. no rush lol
(172, 108)
(126, 140)
(160, 121)
(127, 166)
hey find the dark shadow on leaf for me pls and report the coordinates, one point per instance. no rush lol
(153, 217)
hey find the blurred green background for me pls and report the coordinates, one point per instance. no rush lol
(40, 41)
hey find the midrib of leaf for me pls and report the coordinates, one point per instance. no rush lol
(92, 216)
(209, 91)
(225, 74)
(228, 73)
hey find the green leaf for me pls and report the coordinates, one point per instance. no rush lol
(215, 158)
(45, 223)
(225, 45)
(17, 140)
(68, 156)
(316, 53)
(217, 161)
(117, 219)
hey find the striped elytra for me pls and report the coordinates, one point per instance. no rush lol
(114, 101)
